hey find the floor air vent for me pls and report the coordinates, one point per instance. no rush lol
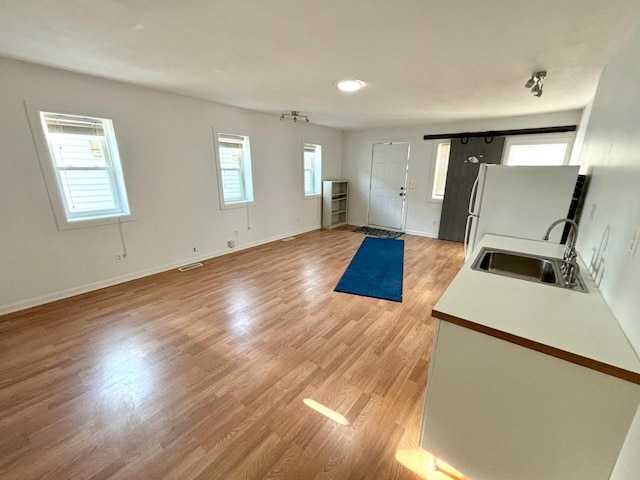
(191, 266)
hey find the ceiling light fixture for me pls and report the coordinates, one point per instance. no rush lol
(536, 82)
(294, 115)
(350, 85)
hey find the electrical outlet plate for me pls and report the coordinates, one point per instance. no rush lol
(118, 257)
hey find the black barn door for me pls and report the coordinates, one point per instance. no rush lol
(464, 161)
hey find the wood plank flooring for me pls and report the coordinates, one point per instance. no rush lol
(204, 374)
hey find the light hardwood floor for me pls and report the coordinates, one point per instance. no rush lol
(204, 374)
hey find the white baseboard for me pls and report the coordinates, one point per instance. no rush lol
(71, 292)
(421, 234)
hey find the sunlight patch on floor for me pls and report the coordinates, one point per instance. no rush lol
(327, 412)
(417, 460)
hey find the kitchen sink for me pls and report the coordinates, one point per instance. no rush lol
(524, 266)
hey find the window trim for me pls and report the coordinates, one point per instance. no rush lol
(247, 170)
(317, 174)
(436, 147)
(50, 174)
(539, 139)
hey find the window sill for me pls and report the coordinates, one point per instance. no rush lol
(95, 222)
(312, 196)
(231, 206)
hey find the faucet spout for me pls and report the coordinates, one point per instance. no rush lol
(574, 230)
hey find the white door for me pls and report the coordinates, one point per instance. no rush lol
(388, 184)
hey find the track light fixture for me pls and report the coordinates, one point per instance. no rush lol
(536, 82)
(294, 115)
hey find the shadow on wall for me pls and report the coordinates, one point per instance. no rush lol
(597, 265)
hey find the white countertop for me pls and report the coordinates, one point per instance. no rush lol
(569, 321)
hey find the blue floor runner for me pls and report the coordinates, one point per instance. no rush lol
(376, 270)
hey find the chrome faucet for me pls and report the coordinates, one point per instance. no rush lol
(569, 266)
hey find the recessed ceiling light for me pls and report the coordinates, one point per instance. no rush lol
(350, 85)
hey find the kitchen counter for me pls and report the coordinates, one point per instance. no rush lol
(528, 380)
(574, 326)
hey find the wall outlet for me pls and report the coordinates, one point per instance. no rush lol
(118, 257)
(633, 244)
(592, 213)
(195, 249)
(231, 243)
(235, 233)
(434, 223)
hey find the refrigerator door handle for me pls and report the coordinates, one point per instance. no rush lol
(472, 198)
(467, 252)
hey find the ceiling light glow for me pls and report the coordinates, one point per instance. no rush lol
(350, 85)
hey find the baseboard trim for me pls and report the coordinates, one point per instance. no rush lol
(72, 292)
(421, 234)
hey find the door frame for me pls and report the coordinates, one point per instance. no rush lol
(406, 176)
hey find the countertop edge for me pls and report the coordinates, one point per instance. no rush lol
(602, 367)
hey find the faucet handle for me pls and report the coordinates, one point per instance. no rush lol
(570, 254)
(571, 272)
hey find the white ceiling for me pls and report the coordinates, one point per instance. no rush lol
(424, 61)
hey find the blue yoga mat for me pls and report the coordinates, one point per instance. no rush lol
(376, 270)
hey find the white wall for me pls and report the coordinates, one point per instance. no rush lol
(166, 146)
(423, 214)
(611, 157)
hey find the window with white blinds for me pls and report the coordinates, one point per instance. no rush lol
(234, 157)
(312, 159)
(88, 174)
(440, 171)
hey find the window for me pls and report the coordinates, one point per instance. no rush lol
(312, 158)
(85, 169)
(537, 150)
(234, 157)
(440, 171)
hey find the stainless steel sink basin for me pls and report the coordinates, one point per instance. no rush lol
(524, 266)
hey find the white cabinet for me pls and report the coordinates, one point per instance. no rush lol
(495, 410)
(335, 200)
